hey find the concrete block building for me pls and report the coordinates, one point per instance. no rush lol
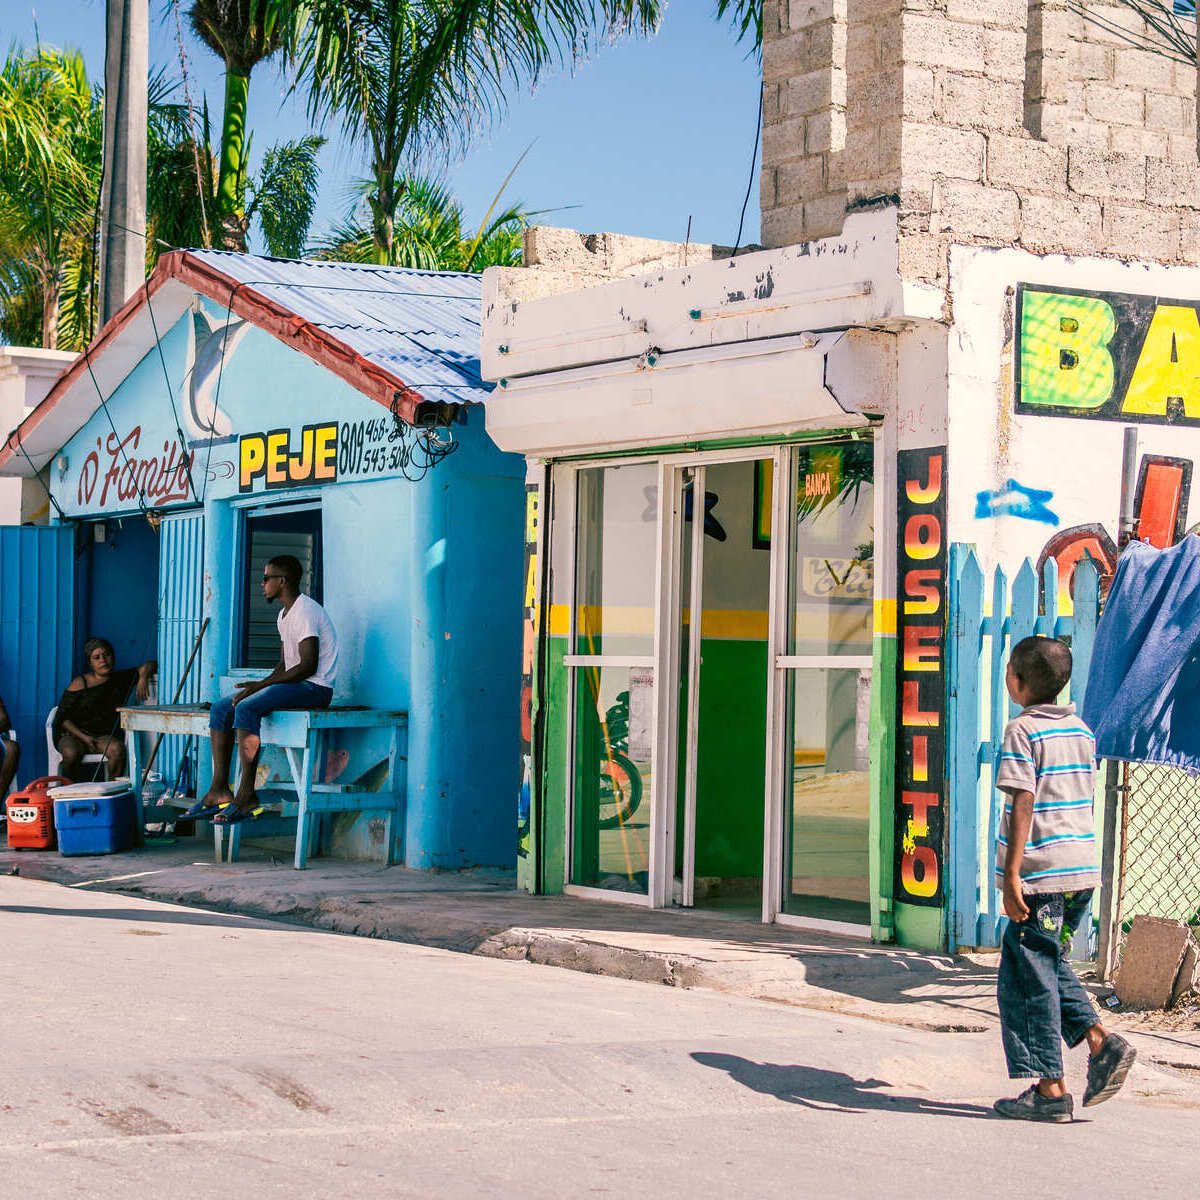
(745, 472)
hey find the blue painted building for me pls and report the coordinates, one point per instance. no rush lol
(239, 407)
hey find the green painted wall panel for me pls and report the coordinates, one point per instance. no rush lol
(731, 758)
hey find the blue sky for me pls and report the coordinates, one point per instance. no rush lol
(639, 138)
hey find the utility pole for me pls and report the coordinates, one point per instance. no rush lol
(122, 261)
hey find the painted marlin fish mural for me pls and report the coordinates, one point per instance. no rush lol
(212, 341)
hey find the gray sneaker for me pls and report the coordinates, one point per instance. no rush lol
(1031, 1105)
(1107, 1069)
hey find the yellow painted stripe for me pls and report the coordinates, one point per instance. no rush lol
(560, 620)
(885, 617)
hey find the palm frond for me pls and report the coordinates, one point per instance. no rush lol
(284, 194)
(746, 17)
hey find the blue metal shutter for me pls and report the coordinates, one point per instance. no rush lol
(180, 600)
(37, 631)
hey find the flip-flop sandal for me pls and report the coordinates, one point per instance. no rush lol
(232, 815)
(200, 812)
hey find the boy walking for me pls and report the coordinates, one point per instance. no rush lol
(1046, 866)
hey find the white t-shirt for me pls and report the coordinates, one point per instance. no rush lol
(305, 619)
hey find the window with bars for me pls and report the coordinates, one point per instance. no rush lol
(295, 531)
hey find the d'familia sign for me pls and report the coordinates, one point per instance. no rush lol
(123, 474)
(921, 677)
(1107, 356)
(273, 458)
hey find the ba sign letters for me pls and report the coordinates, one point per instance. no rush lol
(1107, 356)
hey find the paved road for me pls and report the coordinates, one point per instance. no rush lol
(152, 1051)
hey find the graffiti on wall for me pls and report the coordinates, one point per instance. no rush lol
(1107, 356)
(1016, 500)
(921, 677)
(530, 605)
(1160, 508)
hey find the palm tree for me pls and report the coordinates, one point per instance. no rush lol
(427, 232)
(241, 33)
(415, 79)
(50, 130)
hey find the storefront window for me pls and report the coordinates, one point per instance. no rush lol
(828, 834)
(616, 532)
(267, 534)
(832, 564)
(614, 717)
(831, 607)
(616, 519)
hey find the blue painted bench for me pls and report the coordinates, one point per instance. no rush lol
(303, 734)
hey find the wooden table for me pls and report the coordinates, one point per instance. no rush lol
(303, 735)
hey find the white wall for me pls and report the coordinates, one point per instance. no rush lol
(1072, 463)
(26, 375)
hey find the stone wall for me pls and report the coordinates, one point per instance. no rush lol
(995, 122)
(567, 260)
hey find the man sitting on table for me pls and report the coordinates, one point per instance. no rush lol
(303, 678)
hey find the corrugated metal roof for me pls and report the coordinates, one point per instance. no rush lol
(421, 326)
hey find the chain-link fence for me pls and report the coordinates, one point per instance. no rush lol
(1157, 846)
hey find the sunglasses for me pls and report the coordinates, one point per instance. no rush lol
(266, 577)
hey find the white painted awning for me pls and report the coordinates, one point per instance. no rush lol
(769, 387)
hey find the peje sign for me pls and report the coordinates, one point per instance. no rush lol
(272, 458)
(921, 677)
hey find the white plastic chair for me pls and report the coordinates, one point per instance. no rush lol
(54, 758)
(12, 734)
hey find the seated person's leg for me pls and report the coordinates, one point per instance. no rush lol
(72, 751)
(114, 754)
(247, 720)
(220, 724)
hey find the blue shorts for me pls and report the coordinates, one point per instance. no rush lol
(247, 714)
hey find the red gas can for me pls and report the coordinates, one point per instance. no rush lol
(31, 815)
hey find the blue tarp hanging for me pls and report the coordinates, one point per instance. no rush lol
(1143, 692)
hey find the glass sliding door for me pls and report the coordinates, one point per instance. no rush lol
(724, 588)
(830, 584)
(611, 661)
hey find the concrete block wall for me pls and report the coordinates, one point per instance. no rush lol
(994, 122)
(566, 261)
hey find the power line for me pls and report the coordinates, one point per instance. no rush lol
(141, 497)
(16, 433)
(212, 429)
(183, 446)
(750, 184)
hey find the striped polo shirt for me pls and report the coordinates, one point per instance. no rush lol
(1050, 752)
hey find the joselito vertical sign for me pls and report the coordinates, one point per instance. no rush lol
(921, 677)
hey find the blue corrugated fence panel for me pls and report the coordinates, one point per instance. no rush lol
(976, 640)
(1087, 614)
(180, 584)
(37, 631)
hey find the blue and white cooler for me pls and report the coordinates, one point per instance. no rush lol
(95, 818)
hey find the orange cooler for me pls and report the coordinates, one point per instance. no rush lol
(31, 815)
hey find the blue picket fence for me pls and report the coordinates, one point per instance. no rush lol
(980, 636)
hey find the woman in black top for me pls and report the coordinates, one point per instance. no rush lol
(87, 722)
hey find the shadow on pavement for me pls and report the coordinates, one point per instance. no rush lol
(133, 916)
(814, 1087)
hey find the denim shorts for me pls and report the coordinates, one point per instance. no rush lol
(1042, 1002)
(247, 714)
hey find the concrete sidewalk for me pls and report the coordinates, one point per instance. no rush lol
(480, 912)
